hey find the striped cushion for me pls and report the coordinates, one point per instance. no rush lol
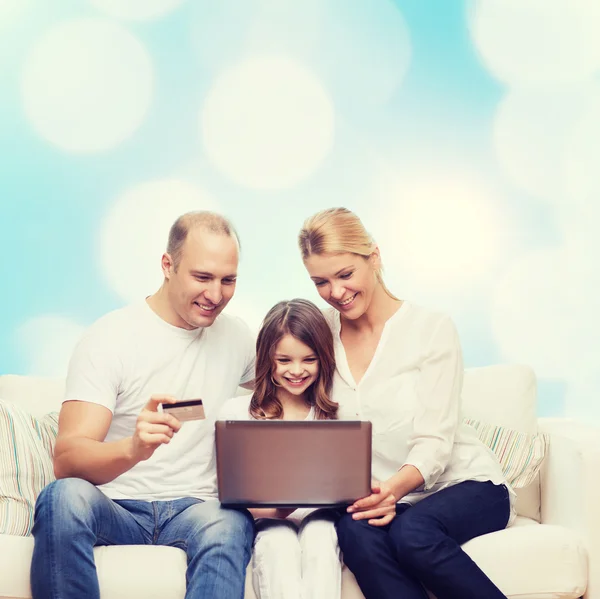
(520, 454)
(26, 447)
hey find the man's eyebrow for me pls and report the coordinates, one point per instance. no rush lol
(202, 273)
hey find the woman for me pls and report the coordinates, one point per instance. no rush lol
(400, 366)
(296, 553)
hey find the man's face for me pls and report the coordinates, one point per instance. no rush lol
(205, 279)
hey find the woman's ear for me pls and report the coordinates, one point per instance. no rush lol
(375, 259)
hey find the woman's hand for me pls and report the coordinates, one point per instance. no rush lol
(379, 507)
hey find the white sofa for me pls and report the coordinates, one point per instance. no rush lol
(551, 552)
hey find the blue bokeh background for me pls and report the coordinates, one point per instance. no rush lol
(465, 134)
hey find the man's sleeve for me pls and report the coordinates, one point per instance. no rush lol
(94, 371)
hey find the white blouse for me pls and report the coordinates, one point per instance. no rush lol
(411, 393)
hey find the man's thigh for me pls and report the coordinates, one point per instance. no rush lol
(191, 522)
(71, 506)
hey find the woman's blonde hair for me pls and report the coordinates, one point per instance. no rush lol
(337, 231)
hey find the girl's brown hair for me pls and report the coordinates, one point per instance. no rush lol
(304, 321)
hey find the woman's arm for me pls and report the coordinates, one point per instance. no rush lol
(434, 427)
(438, 410)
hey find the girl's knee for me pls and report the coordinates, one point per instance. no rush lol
(277, 542)
(316, 534)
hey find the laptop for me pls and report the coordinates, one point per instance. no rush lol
(284, 463)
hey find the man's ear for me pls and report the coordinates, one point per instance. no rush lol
(167, 265)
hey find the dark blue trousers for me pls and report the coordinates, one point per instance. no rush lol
(422, 545)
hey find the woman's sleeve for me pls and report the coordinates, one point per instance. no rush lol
(438, 404)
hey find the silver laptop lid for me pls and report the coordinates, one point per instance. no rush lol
(288, 463)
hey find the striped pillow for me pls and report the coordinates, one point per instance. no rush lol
(26, 447)
(520, 454)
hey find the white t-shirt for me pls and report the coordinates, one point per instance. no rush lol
(411, 392)
(130, 354)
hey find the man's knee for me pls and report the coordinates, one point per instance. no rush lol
(220, 525)
(64, 504)
(67, 496)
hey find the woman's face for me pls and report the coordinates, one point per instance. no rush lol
(344, 281)
(295, 365)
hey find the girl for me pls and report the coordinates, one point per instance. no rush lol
(296, 553)
(400, 366)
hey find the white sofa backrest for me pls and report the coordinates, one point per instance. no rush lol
(37, 395)
(499, 394)
(502, 394)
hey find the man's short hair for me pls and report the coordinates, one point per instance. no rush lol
(208, 221)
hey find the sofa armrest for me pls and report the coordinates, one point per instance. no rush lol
(570, 487)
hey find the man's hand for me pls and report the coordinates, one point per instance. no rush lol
(153, 428)
(379, 507)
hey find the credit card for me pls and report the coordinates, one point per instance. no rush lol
(191, 409)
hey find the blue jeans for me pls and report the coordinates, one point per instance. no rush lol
(422, 545)
(72, 516)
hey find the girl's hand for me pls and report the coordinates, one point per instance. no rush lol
(271, 512)
(379, 507)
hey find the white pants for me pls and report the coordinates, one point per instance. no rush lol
(296, 562)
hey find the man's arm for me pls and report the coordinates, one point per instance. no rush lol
(81, 451)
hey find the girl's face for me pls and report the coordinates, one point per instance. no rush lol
(296, 366)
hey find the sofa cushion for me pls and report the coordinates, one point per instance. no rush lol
(506, 395)
(527, 561)
(520, 454)
(532, 560)
(26, 446)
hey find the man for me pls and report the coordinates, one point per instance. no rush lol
(128, 473)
